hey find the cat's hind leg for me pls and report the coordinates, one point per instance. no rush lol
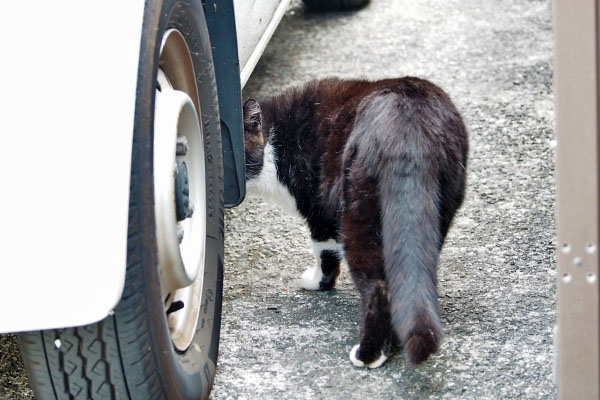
(327, 268)
(375, 338)
(361, 232)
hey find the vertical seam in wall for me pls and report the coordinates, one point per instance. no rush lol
(597, 87)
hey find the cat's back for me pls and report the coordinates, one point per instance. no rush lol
(318, 118)
(333, 101)
(389, 118)
(333, 105)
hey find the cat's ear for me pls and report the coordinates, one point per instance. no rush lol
(252, 114)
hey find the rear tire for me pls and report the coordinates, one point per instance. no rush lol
(131, 354)
(335, 5)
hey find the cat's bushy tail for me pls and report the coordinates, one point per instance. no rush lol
(389, 142)
(410, 236)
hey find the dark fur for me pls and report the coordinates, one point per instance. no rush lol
(380, 167)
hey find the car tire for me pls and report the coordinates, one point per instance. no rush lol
(131, 354)
(335, 5)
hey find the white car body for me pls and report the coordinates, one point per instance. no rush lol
(66, 126)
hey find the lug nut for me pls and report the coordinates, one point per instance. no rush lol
(182, 146)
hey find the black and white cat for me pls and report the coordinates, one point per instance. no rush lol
(377, 170)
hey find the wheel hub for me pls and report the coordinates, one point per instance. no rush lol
(175, 116)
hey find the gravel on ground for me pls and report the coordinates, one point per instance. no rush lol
(497, 270)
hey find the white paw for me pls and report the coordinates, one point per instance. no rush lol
(379, 362)
(311, 278)
(357, 363)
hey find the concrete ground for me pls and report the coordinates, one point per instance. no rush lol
(497, 270)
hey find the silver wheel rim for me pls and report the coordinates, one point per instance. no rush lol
(178, 136)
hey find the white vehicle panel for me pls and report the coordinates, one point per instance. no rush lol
(256, 21)
(67, 101)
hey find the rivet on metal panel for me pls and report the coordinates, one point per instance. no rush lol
(578, 261)
(591, 278)
(566, 248)
(566, 278)
(590, 248)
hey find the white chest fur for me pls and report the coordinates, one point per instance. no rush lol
(269, 188)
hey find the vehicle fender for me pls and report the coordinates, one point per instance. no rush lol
(239, 33)
(69, 73)
(220, 20)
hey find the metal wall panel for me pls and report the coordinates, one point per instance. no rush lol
(576, 78)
